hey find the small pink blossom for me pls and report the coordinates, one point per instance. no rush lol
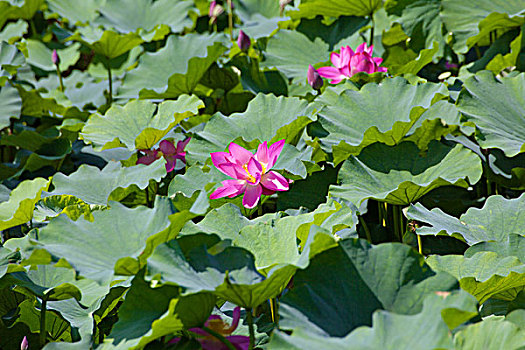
(314, 79)
(55, 58)
(243, 41)
(250, 172)
(167, 150)
(347, 63)
(215, 323)
(215, 11)
(25, 344)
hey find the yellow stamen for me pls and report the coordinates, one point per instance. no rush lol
(251, 178)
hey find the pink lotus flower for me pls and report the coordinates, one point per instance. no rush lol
(215, 323)
(347, 63)
(251, 172)
(168, 151)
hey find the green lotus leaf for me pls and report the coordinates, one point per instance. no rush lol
(421, 21)
(498, 219)
(76, 13)
(80, 90)
(507, 171)
(310, 192)
(291, 52)
(48, 282)
(471, 23)
(256, 81)
(6, 257)
(335, 34)
(48, 147)
(485, 274)
(57, 328)
(106, 42)
(13, 31)
(139, 124)
(19, 208)
(335, 8)
(229, 272)
(400, 175)
(52, 206)
(150, 313)
(39, 55)
(513, 245)
(146, 15)
(496, 107)
(94, 186)
(116, 242)
(429, 328)
(13, 9)
(377, 113)
(84, 316)
(491, 333)
(10, 60)
(507, 58)
(33, 104)
(270, 238)
(10, 105)
(414, 66)
(248, 8)
(283, 118)
(352, 287)
(175, 69)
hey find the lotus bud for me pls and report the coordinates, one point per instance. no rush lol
(55, 58)
(314, 79)
(215, 11)
(25, 344)
(243, 41)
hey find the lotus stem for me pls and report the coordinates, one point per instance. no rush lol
(381, 209)
(274, 310)
(110, 79)
(249, 319)
(223, 340)
(419, 244)
(230, 18)
(397, 225)
(43, 322)
(478, 53)
(365, 227)
(371, 41)
(59, 73)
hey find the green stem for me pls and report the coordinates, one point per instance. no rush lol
(60, 163)
(110, 85)
(43, 322)
(478, 53)
(381, 213)
(365, 227)
(419, 244)
(230, 18)
(397, 225)
(371, 42)
(223, 340)
(33, 27)
(59, 73)
(274, 309)
(249, 319)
